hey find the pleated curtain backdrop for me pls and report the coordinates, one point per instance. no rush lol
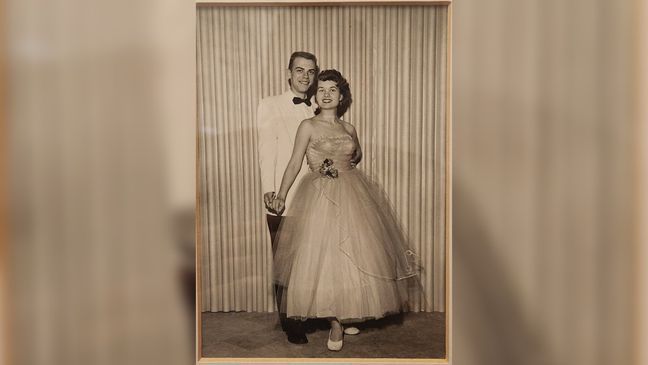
(394, 58)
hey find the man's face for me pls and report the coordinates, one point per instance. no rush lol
(302, 74)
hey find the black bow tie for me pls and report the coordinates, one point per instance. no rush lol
(297, 100)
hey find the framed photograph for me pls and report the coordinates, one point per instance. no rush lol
(323, 209)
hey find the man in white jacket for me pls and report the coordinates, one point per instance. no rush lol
(278, 118)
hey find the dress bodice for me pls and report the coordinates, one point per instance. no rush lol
(338, 148)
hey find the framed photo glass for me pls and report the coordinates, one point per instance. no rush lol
(323, 182)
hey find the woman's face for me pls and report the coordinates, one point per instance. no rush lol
(328, 95)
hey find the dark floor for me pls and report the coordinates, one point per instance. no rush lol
(413, 335)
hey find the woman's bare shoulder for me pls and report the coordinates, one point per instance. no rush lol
(306, 126)
(307, 123)
(349, 127)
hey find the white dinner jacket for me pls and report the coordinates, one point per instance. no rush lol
(277, 121)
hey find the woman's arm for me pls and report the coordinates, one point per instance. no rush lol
(294, 165)
(357, 154)
(267, 137)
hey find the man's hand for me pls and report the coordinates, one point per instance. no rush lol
(267, 199)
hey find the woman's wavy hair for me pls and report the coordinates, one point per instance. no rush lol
(343, 86)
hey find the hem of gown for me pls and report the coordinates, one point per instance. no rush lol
(349, 319)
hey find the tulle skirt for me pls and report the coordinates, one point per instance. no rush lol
(342, 253)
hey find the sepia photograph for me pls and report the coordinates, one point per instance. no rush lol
(323, 182)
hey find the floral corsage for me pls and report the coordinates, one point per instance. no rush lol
(327, 169)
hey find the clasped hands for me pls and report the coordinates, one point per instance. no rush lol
(274, 203)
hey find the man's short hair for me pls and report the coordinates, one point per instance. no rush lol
(302, 54)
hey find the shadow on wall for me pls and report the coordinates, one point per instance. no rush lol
(497, 332)
(184, 233)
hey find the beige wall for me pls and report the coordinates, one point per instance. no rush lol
(544, 188)
(546, 179)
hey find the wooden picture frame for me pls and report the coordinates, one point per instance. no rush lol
(447, 196)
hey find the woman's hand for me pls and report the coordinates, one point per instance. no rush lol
(278, 204)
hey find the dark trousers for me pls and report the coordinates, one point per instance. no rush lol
(290, 326)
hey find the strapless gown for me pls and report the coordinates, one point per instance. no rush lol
(340, 249)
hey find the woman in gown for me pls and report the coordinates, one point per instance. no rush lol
(341, 253)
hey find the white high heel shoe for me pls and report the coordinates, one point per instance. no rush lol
(351, 331)
(334, 345)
